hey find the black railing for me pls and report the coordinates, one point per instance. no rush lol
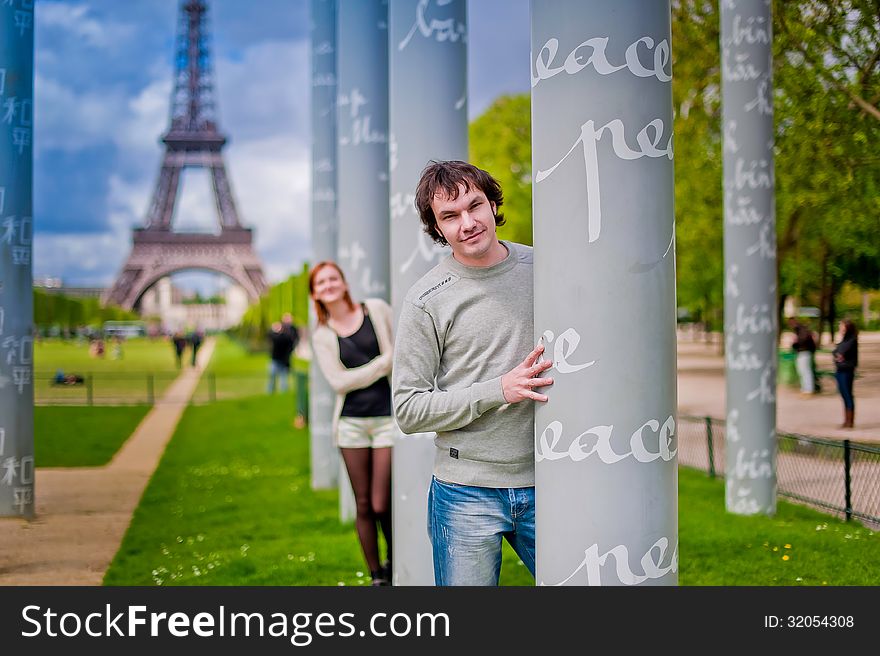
(101, 388)
(136, 388)
(837, 476)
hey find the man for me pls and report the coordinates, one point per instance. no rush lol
(299, 421)
(281, 341)
(288, 327)
(179, 342)
(195, 342)
(459, 371)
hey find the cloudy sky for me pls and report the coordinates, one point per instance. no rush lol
(102, 95)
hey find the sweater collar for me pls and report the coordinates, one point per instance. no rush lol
(485, 272)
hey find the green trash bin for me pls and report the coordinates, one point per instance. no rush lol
(786, 374)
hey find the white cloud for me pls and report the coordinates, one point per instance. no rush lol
(263, 97)
(76, 20)
(271, 183)
(265, 91)
(72, 121)
(94, 259)
(195, 209)
(127, 201)
(85, 260)
(69, 121)
(144, 119)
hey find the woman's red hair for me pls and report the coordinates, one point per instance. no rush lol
(320, 309)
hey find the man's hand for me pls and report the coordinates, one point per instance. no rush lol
(519, 383)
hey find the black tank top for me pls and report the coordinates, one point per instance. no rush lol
(357, 350)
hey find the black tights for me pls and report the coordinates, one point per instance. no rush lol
(370, 473)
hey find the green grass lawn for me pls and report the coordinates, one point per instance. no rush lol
(146, 368)
(231, 504)
(798, 546)
(138, 354)
(82, 436)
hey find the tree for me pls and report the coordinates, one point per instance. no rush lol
(501, 143)
(291, 295)
(826, 93)
(696, 101)
(828, 125)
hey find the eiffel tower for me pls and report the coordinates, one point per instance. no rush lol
(192, 140)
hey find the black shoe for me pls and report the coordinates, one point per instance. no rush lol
(379, 578)
(387, 571)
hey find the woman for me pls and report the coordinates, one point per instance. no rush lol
(846, 359)
(353, 347)
(805, 347)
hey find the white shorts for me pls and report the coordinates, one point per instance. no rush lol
(365, 432)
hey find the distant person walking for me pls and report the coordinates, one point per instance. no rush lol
(301, 392)
(195, 341)
(288, 327)
(116, 352)
(281, 348)
(178, 341)
(846, 359)
(353, 347)
(804, 346)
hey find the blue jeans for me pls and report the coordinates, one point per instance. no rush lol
(845, 385)
(277, 369)
(466, 524)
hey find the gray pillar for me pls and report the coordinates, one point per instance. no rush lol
(362, 111)
(606, 479)
(750, 324)
(16, 278)
(324, 455)
(428, 120)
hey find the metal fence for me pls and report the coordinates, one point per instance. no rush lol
(105, 388)
(136, 388)
(837, 476)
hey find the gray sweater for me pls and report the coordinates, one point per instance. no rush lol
(460, 330)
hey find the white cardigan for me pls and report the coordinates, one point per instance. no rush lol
(325, 347)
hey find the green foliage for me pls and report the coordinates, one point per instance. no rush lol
(826, 90)
(501, 143)
(292, 296)
(696, 99)
(82, 436)
(67, 313)
(828, 125)
(198, 299)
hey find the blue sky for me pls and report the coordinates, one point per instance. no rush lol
(103, 71)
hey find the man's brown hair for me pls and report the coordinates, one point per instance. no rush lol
(445, 178)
